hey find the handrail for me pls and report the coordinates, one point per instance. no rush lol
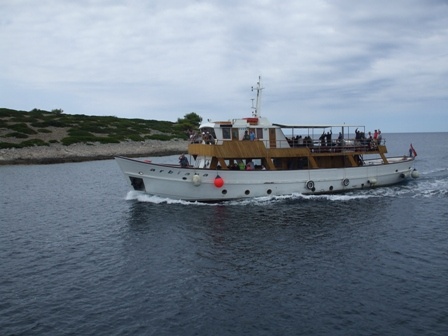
(318, 146)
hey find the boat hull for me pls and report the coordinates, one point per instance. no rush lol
(196, 184)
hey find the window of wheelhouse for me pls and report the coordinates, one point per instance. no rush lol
(235, 135)
(226, 133)
(259, 133)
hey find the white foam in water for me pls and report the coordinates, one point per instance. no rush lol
(146, 198)
(260, 201)
(431, 188)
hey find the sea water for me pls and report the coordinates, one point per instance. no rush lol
(80, 254)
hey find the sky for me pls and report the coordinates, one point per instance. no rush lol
(382, 63)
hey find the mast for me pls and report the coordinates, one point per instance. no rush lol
(256, 108)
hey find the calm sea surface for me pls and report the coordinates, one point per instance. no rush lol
(81, 255)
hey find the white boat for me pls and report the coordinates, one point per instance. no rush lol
(275, 160)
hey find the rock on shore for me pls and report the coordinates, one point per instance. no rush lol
(57, 153)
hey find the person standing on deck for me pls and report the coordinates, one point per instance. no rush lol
(252, 135)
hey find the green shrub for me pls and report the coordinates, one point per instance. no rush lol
(20, 118)
(16, 135)
(33, 142)
(7, 113)
(49, 123)
(22, 128)
(8, 145)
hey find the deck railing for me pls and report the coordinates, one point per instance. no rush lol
(318, 146)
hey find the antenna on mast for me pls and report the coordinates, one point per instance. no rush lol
(256, 108)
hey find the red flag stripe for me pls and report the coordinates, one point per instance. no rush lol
(413, 150)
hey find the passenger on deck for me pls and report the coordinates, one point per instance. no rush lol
(246, 136)
(211, 139)
(308, 141)
(379, 138)
(250, 165)
(322, 138)
(252, 136)
(329, 141)
(370, 140)
(183, 161)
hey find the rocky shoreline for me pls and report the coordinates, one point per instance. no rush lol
(57, 153)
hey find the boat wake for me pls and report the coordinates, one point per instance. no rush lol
(145, 198)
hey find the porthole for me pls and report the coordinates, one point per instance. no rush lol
(170, 172)
(331, 188)
(184, 178)
(247, 192)
(224, 192)
(205, 175)
(152, 169)
(269, 191)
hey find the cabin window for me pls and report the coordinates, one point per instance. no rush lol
(235, 133)
(226, 133)
(259, 132)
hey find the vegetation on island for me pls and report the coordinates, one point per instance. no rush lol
(20, 129)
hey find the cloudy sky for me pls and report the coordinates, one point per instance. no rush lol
(382, 63)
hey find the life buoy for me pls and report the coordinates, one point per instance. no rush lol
(310, 185)
(345, 182)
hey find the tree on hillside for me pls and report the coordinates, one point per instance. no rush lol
(189, 122)
(57, 111)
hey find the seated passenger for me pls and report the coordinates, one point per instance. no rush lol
(250, 165)
(183, 161)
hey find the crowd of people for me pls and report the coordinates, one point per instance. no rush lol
(249, 165)
(361, 139)
(372, 141)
